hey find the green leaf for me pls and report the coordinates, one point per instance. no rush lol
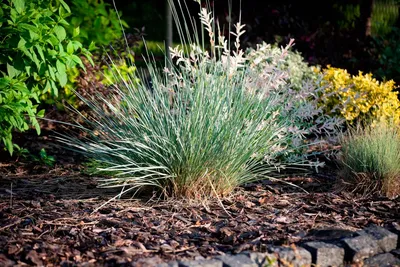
(88, 55)
(60, 66)
(35, 58)
(52, 73)
(13, 16)
(43, 153)
(52, 40)
(62, 78)
(47, 87)
(28, 70)
(42, 69)
(19, 5)
(60, 32)
(77, 45)
(35, 124)
(21, 43)
(70, 48)
(12, 72)
(55, 88)
(8, 144)
(65, 5)
(4, 82)
(33, 36)
(27, 53)
(60, 49)
(61, 75)
(52, 53)
(78, 61)
(92, 46)
(40, 114)
(76, 32)
(21, 88)
(64, 22)
(124, 24)
(40, 51)
(28, 27)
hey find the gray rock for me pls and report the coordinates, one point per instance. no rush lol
(382, 260)
(386, 240)
(153, 261)
(325, 254)
(360, 247)
(240, 260)
(328, 234)
(296, 257)
(201, 263)
(168, 264)
(263, 259)
(395, 228)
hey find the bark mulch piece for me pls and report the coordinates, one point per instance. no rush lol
(48, 219)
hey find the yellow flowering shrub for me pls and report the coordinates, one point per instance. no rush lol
(358, 97)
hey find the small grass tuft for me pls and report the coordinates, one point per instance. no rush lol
(370, 159)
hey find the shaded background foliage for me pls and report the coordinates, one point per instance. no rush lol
(331, 32)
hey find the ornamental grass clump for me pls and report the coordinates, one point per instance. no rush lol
(370, 160)
(200, 130)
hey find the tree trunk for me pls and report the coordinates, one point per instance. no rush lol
(366, 8)
(168, 31)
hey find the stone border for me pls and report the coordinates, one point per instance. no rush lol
(372, 246)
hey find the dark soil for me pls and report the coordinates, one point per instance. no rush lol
(53, 216)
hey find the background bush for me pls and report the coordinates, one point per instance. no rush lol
(298, 70)
(280, 71)
(35, 55)
(97, 22)
(359, 97)
(386, 52)
(101, 30)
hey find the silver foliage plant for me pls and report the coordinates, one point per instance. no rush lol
(214, 119)
(281, 71)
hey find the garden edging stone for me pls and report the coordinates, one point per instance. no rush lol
(374, 246)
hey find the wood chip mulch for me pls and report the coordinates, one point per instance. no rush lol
(48, 219)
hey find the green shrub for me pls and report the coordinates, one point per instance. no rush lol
(385, 14)
(97, 79)
(96, 25)
(370, 159)
(16, 102)
(97, 22)
(387, 53)
(125, 69)
(100, 29)
(35, 54)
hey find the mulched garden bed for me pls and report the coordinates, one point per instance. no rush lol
(47, 219)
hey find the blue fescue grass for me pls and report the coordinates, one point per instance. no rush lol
(370, 159)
